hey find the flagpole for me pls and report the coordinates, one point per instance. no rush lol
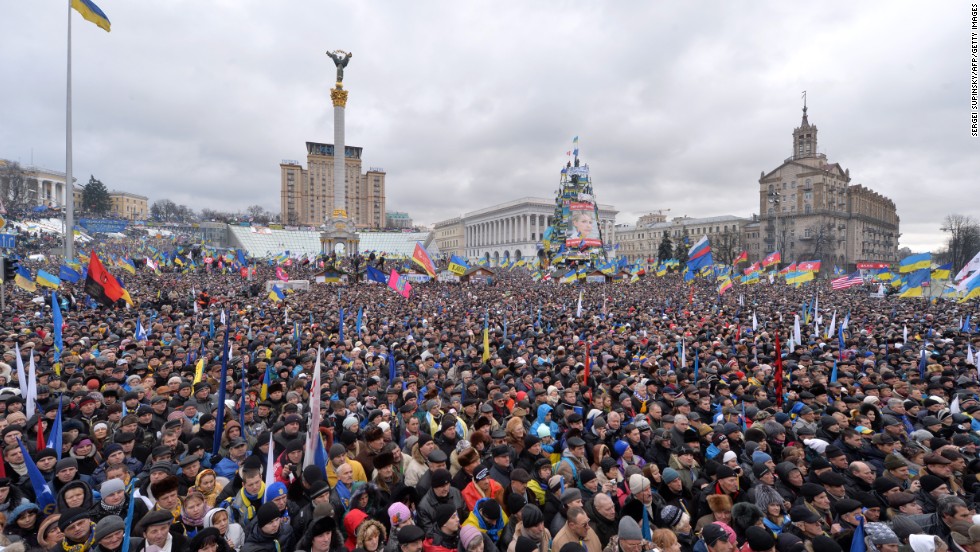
(69, 181)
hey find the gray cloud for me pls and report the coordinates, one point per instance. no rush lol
(678, 106)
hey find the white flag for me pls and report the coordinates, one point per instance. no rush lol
(755, 322)
(31, 399)
(270, 476)
(313, 432)
(578, 311)
(683, 353)
(955, 407)
(969, 354)
(905, 333)
(833, 325)
(971, 266)
(797, 336)
(22, 375)
(222, 317)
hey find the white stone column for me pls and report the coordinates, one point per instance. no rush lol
(339, 159)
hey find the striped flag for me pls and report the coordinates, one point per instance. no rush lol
(845, 282)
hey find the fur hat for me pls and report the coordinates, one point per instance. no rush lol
(745, 515)
(166, 485)
(383, 460)
(719, 503)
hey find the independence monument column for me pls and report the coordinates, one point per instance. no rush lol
(340, 228)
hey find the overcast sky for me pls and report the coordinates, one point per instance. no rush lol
(677, 105)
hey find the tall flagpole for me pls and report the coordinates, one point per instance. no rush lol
(69, 181)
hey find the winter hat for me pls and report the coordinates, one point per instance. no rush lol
(570, 495)
(638, 484)
(903, 526)
(65, 463)
(759, 470)
(525, 544)
(930, 482)
(759, 457)
(823, 543)
(759, 539)
(19, 511)
(336, 450)
(811, 490)
(788, 542)
(110, 486)
(893, 462)
(398, 513)
(469, 533)
(619, 447)
(670, 516)
(881, 533)
(728, 457)
(724, 472)
(712, 533)
(531, 515)
(629, 529)
(489, 509)
(544, 431)
(586, 476)
(572, 547)
(670, 474)
(267, 513)
(108, 525)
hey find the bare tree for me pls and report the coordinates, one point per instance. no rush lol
(823, 245)
(963, 242)
(725, 247)
(14, 187)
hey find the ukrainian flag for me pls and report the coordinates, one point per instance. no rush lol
(126, 265)
(48, 280)
(942, 272)
(24, 280)
(91, 12)
(799, 277)
(266, 382)
(276, 294)
(915, 262)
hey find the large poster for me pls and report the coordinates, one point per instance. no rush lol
(583, 230)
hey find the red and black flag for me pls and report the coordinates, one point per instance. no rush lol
(101, 285)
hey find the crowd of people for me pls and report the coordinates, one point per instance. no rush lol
(663, 416)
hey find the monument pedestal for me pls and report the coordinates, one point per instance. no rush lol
(339, 229)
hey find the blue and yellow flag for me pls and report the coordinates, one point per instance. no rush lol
(276, 294)
(24, 280)
(48, 280)
(91, 12)
(266, 382)
(942, 272)
(915, 262)
(458, 265)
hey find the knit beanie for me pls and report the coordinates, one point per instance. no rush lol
(930, 482)
(759, 539)
(619, 447)
(670, 516)
(531, 515)
(108, 525)
(267, 513)
(468, 534)
(759, 457)
(638, 484)
(398, 513)
(629, 529)
(670, 474)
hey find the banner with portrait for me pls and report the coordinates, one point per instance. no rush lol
(583, 229)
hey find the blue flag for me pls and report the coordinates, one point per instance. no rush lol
(340, 331)
(69, 274)
(129, 516)
(57, 321)
(375, 275)
(833, 373)
(211, 327)
(391, 367)
(857, 540)
(45, 498)
(360, 317)
(54, 438)
(219, 426)
(242, 405)
(922, 362)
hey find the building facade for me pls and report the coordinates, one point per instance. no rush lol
(396, 219)
(450, 237)
(513, 230)
(809, 210)
(307, 195)
(128, 206)
(641, 242)
(31, 186)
